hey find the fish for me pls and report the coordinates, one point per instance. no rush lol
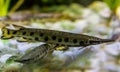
(36, 54)
(59, 38)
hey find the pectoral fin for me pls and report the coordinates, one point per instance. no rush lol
(22, 39)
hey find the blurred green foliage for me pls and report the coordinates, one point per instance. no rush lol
(4, 5)
(67, 26)
(113, 4)
(73, 10)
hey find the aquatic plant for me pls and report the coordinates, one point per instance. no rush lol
(113, 5)
(4, 7)
(5, 4)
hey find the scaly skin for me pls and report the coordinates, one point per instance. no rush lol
(52, 37)
(36, 54)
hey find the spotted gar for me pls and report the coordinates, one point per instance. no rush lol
(51, 37)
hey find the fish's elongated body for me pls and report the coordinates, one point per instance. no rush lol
(52, 37)
(36, 54)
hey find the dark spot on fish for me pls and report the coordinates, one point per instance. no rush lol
(53, 37)
(24, 33)
(31, 33)
(59, 40)
(14, 32)
(57, 44)
(66, 39)
(46, 38)
(36, 38)
(41, 34)
(8, 31)
(74, 40)
(81, 42)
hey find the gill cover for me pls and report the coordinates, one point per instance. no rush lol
(6, 33)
